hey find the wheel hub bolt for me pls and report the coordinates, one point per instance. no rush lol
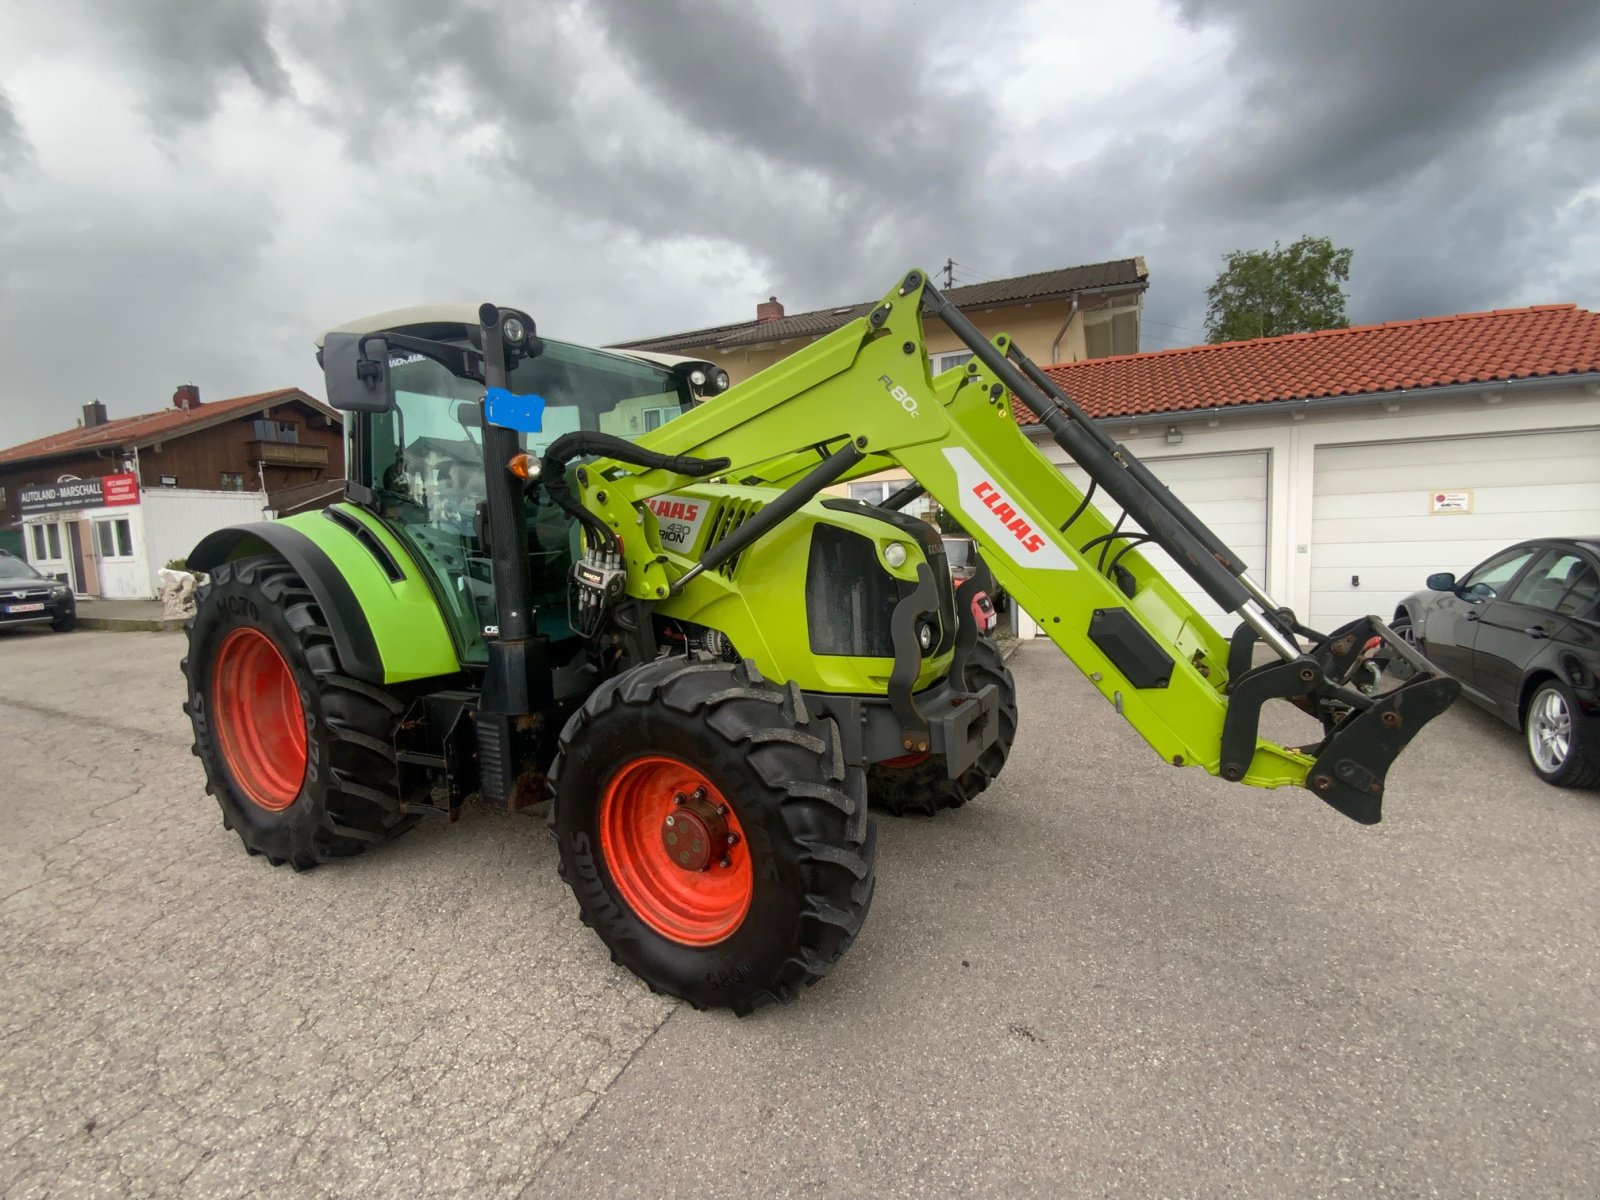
(695, 832)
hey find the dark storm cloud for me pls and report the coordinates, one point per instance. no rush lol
(633, 166)
(189, 51)
(805, 148)
(1342, 97)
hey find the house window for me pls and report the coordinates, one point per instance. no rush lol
(943, 362)
(115, 538)
(655, 418)
(871, 493)
(53, 532)
(232, 481)
(276, 431)
(38, 543)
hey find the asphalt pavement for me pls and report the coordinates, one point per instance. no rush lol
(1106, 977)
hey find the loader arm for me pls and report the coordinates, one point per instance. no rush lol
(863, 399)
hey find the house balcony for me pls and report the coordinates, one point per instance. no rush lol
(287, 454)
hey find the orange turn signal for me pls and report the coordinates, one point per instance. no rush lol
(524, 466)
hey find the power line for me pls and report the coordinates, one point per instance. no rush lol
(1170, 325)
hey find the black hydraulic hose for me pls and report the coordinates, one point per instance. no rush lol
(1106, 547)
(553, 472)
(1176, 529)
(770, 515)
(1138, 539)
(1094, 485)
(898, 500)
(1135, 466)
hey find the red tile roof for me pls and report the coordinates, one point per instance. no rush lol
(1041, 285)
(1514, 343)
(154, 427)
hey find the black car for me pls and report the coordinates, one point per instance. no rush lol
(29, 598)
(1521, 631)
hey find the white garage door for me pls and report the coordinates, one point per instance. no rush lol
(1376, 534)
(1226, 491)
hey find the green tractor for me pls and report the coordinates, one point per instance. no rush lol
(612, 582)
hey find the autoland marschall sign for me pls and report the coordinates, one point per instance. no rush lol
(106, 491)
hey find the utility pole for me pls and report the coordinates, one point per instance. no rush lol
(949, 273)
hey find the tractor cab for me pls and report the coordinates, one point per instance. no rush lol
(420, 465)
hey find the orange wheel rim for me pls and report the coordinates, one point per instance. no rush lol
(260, 725)
(675, 850)
(906, 760)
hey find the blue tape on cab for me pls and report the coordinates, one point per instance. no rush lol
(508, 410)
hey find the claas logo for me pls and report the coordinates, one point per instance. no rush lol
(1016, 525)
(674, 510)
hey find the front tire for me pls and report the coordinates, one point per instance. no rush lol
(919, 785)
(1556, 738)
(711, 832)
(299, 756)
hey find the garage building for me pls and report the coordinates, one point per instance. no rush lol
(1345, 466)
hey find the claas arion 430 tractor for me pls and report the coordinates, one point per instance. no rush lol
(617, 584)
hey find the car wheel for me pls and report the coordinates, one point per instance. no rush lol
(1404, 630)
(1556, 734)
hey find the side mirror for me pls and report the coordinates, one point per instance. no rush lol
(355, 369)
(1442, 581)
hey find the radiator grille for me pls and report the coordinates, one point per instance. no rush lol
(725, 518)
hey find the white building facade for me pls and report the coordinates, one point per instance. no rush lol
(1343, 505)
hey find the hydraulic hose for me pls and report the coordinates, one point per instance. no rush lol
(553, 472)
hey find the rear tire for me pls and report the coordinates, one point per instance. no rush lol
(299, 756)
(1556, 734)
(795, 885)
(920, 785)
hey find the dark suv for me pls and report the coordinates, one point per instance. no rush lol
(29, 598)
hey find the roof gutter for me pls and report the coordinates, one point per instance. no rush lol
(1586, 379)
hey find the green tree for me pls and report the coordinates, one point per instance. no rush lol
(1263, 293)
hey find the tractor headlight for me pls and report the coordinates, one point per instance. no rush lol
(925, 636)
(895, 554)
(697, 378)
(513, 332)
(720, 380)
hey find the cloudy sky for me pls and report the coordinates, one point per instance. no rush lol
(190, 189)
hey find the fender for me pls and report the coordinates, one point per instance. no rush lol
(384, 631)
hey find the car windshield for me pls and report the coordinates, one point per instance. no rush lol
(15, 568)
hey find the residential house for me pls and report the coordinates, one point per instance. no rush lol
(1053, 316)
(105, 505)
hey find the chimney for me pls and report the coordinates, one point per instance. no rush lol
(186, 397)
(770, 311)
(94, 414)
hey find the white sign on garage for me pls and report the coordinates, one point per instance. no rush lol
(1380, 527)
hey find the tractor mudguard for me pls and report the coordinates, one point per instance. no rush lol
(385, 622)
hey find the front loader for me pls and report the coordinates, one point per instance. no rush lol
(610, 581)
